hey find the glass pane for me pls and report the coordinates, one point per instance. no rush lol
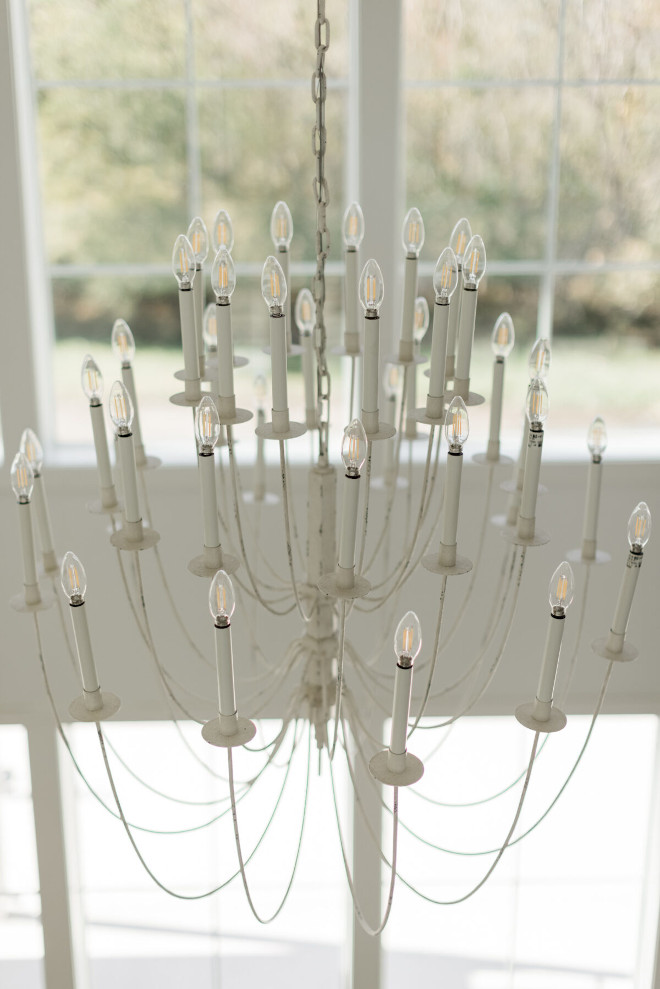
(482, 154)
(480, 39)
(609, 176)
(623, 39)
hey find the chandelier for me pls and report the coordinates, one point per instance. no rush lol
(343, 583)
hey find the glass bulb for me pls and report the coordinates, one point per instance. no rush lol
(353, 227)
(538, 403)
(183, 262)
(273, 283)
(639, 526)
(457, 424)
(391, 379)
(92, 380)
(33, 450)
(207, 423)
(22, 477)
(561, 587)
(222, 600)
(223, 231)
(305, 312)
(73, 577)
(281, 225)
(539, 359)
(474, 262)
(445, 276)
(503, 336)
(198, 236)
(210, 327)
(408, 637)
(260, 389)
(597, 437)
(372, 287)
(421, 321)
(354, 447)
(223, 274)
(412, 233)
(120, 407)
(123, 342)
(461, 236)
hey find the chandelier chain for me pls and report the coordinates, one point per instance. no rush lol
(322, 197)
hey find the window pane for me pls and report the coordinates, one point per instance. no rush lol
(623, 39)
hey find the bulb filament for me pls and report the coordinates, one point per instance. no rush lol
(281, 227)
(275, 285)
(222, 233)
(92, 380)
(413, 232)
(503, 335)
(223, 279)
(562, 589)
(456, 426)
(74, 582)
(536, 404)
(446, 275)
(354, 450)
(207, 427)
(120, 408)
(183, 261)
(419, 319)
(197, 242)
(22, 478)
(407, 641)
(352, 226)
(306, 311)
(371, 291)
(640, 527)
(221, 598)
(474, 262)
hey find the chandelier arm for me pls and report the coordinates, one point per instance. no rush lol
(435, 652)
(340, 674)
(129, 598)
(177, 614)
(572, 665)
(494, 608)
(282, 580)
(287, 533)
(241, 862)
(280, 671)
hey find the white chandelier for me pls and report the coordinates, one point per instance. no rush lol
(342, 583)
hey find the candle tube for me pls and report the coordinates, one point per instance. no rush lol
(222, 604)
(74, 585)
(502, 341)
(537, 412)
(198, 236)
(412, 236)
(274, 292)
(183, 265)
(474, 266)
(407, 644)
(560, 591)
(445, 279)
(92, 383)
(456, 432)
(597, 442)
(223, 283)
(281, 232)
(121, 413)
(353, 234)
(353, 453)
(260, 467)
(639, 531)
(22, 483)
(460, 237)
(371, 298)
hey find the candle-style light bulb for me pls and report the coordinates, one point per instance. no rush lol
(538, 403)
(222, 600)
(354, 447)
(198, 236)
(223, 274)
(372, 287)
(539, 359)
(305, 311)
(183, 262)
(412, 233)
(73, 578)
(222, 233)
(92, 380)
(597, 438)
(445, 276)
(120, 408)
(421, 322)
(210, 327)
(32, 449)
(461, 236)
(457, 424)
(281, 226)
(503, 336)
(408, 637)
(353, 227)
(273, 283)
(123, 342)
(561, 588)
(207, 424)
(474, 262)
(22, 478)
(639, 527)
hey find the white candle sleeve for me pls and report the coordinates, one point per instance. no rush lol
(527, 511)
(450, 510)
(90, 680)
(351, 337)
(309, 375)
(129, 383)
(349, 514)
(42, 516)
(126, 456)
(543, 702)
(493, 450)
(260, 469)
(624, 602)
(209, 500)
(452, 327)
(370, 373)
(591, 506)
(283, 258)
(408, 313)
(198, 305)
(278, 377)
(411, 398)
(434, 401)
(108, 495)
(30, 581)
(400, 715)
(189, 344)
(225, 351)
(225, 671)
(464, 342)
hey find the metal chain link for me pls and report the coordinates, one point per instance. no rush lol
(322, 196)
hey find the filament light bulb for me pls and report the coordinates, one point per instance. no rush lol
(31, 447)
(281, 226)
(421, 319)
(207, 424)
(561, 587)
(273, 283)
(408, 637)
(223, 231)
(210, 327)
(354, 447)
(412, 233)
(503, 336)
(222, 600)
(305, 312)
(92, 380)
(597, 438)
(474, 262)
(198, 236)
(353, 227)
(223, 274)
(457, 424)
(372, 287)
(22, 478)
(183, 262)
(391, 380)
(73, 578)
(539, 359)
(538, 403)
(461, 236)
(123, 342)
(639, 526)
(445, 276)
(120, 408)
